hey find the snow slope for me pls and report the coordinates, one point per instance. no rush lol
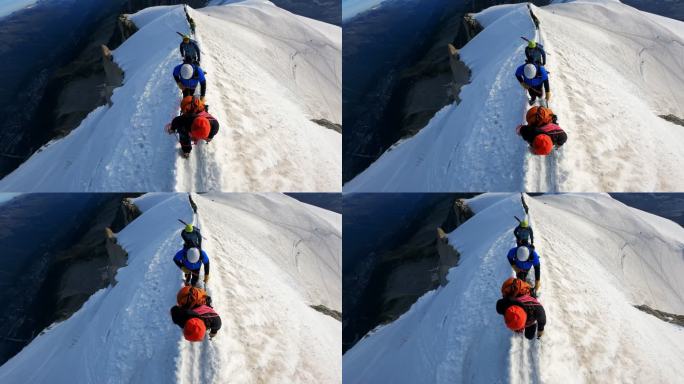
(269, 73)
(599, 258)
(271, 257)
(614, 69)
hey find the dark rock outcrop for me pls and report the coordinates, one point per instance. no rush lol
(664, 316)
(328, 124)
(114, 75)
(92, 262)
(337, 315)
(391, 281)
(673, 119)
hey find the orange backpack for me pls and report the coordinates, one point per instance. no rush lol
(191, 104)
(539, 116)
(190, 297)
(513, 287)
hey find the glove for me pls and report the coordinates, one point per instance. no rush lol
(548, 95)
(180, 86)
(537, 285)
(540, 334)
(185, 270)
(206, 279)
(516, 269)
(202, 99)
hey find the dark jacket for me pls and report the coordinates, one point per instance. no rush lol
(183, 124)
(533, 308)
(190, 50)
(192, 239)
(526, 233)
(535, 55)
(556, 133)
(211, 319)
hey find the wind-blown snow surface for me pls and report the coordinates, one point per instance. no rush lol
(271, 257)
(598, 259)
(613, 68)
(269, 73)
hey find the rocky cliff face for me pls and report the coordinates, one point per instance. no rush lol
(61, 250)
(395, 279)
(91, 262)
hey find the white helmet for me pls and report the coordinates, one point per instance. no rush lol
(193, 255)
(530, 71)
(523, 253)
(186, 71)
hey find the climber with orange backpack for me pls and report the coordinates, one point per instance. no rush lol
(542, 132)
(194, 314)
(520, 310)
(194, 124)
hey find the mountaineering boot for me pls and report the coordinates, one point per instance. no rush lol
(184, 155)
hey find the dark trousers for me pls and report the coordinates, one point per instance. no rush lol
(192, 278)
(188, 91)
(535, 92)
(531, 331)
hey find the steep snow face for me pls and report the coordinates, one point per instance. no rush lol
(599, 258)
(609, 85)
(271, 257)
(269, 73)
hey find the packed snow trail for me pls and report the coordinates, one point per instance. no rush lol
(609, 87)
(261, 290)
(541, 171)
(269, 73)
(598, 259)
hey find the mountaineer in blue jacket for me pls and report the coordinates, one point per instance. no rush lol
(522, 259)
(187, 77)
(190, 261)
(535, 79)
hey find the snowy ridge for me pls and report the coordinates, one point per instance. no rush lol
(262, 288)
(609, 85)
(269, 73)
(599, 258)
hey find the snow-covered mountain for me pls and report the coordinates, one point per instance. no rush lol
(270, 73)
(599, 258)
(613, 71)
(271, 258)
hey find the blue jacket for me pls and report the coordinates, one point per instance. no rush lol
(533, 260)
(197, 77)
(535, 82)
(180, 260)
